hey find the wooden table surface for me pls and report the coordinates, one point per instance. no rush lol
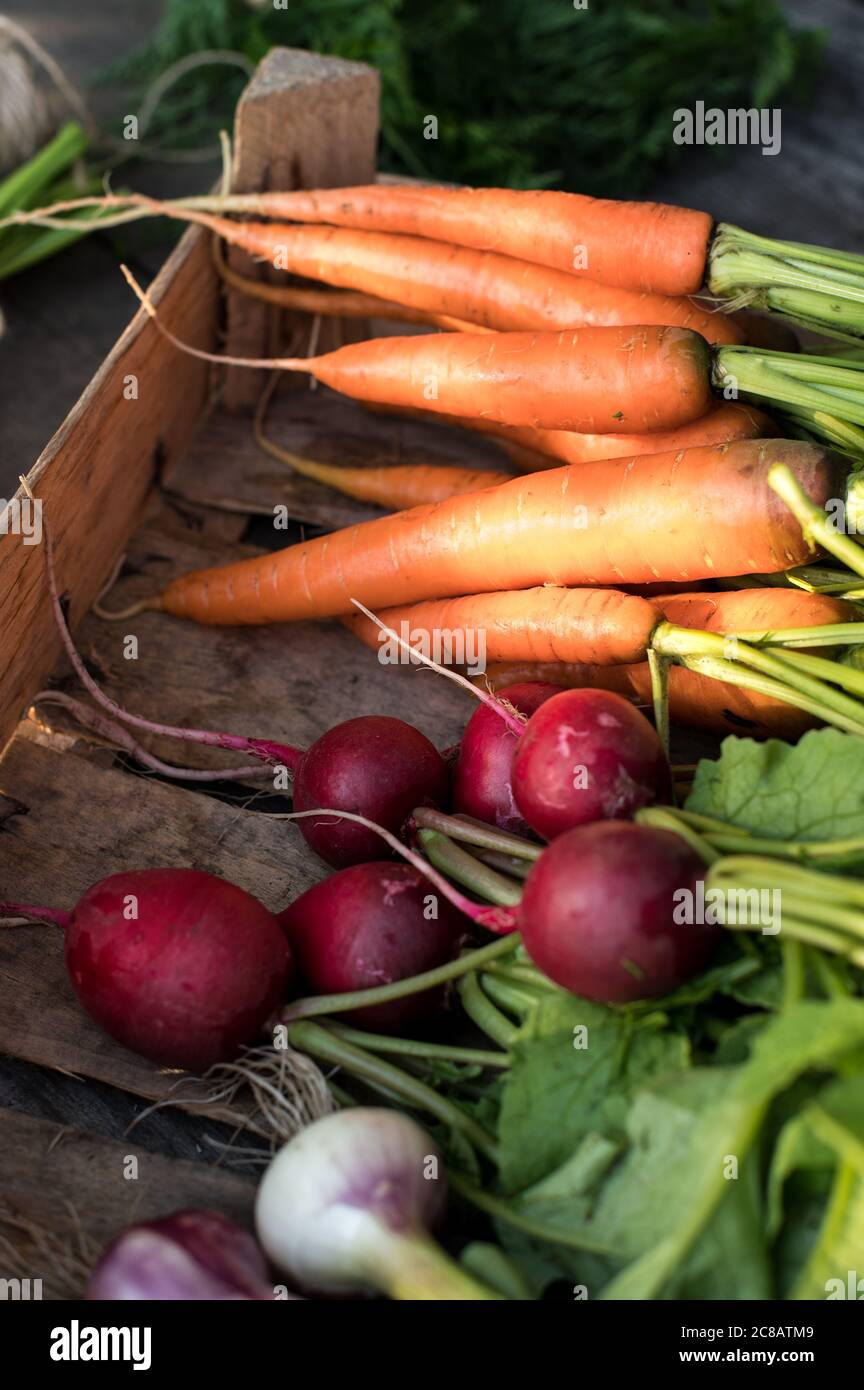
(63, 317)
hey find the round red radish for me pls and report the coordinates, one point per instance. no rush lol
(176, 964)
(586, 755)
(598, 912)
(370, 925)
(483, 776)
(378, 767)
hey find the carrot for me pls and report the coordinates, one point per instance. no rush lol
(394, 486)
(482, 287)
(533, 449)
(601, 627)
(650, 378)
(756, 330)
(691, 514)
(545, 624)
(694, 699)
(348, 304)
(640, 246)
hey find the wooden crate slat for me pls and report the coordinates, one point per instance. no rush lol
(288, 682)
(60, 831)
(94, 475)
(71, 1186)
(306, 120)
(224, 467)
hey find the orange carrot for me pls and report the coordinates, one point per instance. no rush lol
(694, 699)
(649, 377)
(743, 325)
(691, 514)
(545, 624)
(482, 287)
(396, 486)
(532, 449)
(601, 627)
(596, 379)
(348, 304)
(640, 246)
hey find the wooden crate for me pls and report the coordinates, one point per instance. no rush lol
(156, 463)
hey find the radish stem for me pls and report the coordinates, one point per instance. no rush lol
(317, 1005)
(480, 1009)
(457, 864)
(422, 1051)
(318, 1042)
(473, 832)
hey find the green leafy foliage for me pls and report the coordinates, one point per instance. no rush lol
(664, 1179)
(524, 94)
(574, 1066)
(813, 790)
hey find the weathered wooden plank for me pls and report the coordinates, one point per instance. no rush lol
(224, 467)
(305, 120)
(289, 682)
(66, 1193)
(139, 411)
(65, 822)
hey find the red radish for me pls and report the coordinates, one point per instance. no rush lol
(600, 910)
(596, 914)
(483, 776)
(371, 925)
(586, 755)
(375, 765)
(379, 766)
(176, 964)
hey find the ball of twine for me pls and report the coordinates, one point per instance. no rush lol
(35, 95)
(28, 111)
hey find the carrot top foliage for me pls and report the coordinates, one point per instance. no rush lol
(524, 95)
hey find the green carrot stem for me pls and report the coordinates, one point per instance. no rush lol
(422, 1051)
(849, 678)
(463, 868)
(813, 520)
(828, 635)
(731, 672)
(683, 642)
(317, 1041)
(779, 378)
(659, 671)
(321, 1004)
(483, 1012)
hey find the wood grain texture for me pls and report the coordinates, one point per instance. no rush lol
(94, 475)
(288, 682)
(306, 120)
(69, 818)
(225, 468)
(71, 1189)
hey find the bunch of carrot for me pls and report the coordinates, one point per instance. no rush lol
(574, 339)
